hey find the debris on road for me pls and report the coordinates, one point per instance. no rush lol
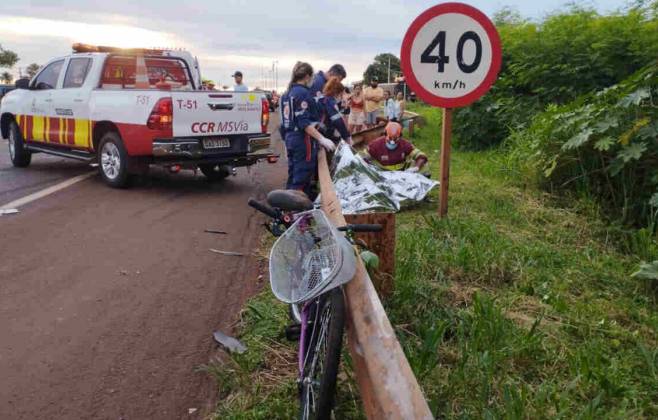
(219, 232)
(233, 345)
(8, 211)
(192, 410)
(235, 254)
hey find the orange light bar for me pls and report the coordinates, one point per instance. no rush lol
(87, 48)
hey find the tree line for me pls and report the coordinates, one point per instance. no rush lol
(8, 59)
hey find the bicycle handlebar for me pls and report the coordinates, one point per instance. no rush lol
(361, 228)
(263, 208)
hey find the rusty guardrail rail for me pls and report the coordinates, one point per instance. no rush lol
(388, 387)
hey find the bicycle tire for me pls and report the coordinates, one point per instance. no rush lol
(320, 407)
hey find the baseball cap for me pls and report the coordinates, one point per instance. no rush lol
(237, 73)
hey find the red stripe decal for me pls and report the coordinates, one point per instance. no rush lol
(30, 135)
(54, 129)
(70, 131)
(307, 140)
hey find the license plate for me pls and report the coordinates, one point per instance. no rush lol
(216, 143)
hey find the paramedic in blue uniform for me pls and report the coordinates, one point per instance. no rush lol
(336, 71)
(299, 118)
(332, 123)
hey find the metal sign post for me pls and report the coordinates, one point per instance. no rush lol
(446, 134)
(450, 57)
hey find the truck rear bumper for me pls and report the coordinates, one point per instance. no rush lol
(192, 148)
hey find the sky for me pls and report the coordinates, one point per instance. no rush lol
(230, 35)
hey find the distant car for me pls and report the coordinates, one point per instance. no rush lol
(5, 89)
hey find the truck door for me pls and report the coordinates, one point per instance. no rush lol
(69, 123)
(34, 123)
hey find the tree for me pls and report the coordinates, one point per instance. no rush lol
(32, 70)
(7, 58)
(6, 77)
(380, 68)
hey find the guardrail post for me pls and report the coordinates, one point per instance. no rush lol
(388, 387)
(381, 243)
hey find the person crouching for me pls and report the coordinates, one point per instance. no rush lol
(393, 153)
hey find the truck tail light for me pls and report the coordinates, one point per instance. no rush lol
(162, 115)
(265, 116)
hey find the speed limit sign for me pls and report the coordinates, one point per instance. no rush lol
(450, 57)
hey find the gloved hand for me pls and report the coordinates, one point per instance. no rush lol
(413, 169)
(327, 144)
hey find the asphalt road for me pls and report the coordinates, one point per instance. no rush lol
(108, 298)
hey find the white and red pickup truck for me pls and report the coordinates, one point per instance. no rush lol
(128, 109)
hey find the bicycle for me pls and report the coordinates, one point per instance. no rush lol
(309, 263)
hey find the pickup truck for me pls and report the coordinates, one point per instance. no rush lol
(128, 109)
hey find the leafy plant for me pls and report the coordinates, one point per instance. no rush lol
(604, 144)
(570, 53)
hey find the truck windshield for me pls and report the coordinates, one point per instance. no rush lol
(125, 72)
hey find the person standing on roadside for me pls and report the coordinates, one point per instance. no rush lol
(336, 71)
(373, 96)
(239, 86)
(299, 118)
(357, 117)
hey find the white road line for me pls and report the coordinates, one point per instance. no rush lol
(47, 191)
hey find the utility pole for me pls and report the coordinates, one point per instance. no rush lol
(388, 77)
(275, 70)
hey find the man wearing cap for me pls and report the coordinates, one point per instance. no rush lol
(373, 96)
(239, 86)
(336, 71)
(393, 153)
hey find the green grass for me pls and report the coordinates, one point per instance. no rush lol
(519, 305)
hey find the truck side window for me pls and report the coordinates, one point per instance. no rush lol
(47, 79)
(76, 73)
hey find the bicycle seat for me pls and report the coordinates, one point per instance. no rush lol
(289, 200)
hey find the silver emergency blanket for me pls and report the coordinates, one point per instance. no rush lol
(364, 188)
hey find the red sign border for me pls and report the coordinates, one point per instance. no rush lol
(419, 22)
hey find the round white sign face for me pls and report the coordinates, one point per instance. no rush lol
(451, 55)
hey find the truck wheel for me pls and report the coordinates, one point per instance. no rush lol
(215, 173)
(113, 160)
(20, 156)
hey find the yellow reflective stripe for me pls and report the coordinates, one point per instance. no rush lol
(46, 131)
(62, 137)
(81, 133)
(38, 126)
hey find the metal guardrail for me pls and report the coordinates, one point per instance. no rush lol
(388, 387)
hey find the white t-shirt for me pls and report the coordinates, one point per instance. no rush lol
(241, 88)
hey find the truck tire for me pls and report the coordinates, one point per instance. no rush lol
(215, 173)
(113, 160)
(20, 156)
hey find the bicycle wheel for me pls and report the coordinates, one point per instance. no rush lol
(318, 385)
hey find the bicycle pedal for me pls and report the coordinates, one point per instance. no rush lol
(293, 332)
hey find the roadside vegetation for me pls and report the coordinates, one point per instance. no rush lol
(537, 297)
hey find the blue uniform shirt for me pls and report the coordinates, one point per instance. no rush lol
(318, 84)
(332, 118)
(298, 110)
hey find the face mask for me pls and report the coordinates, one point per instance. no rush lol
(374, 85)
(391, 145)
